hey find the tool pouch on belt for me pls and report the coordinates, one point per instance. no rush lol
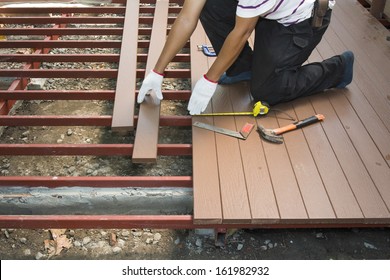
(319, 11)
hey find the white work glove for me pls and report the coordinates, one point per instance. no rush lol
(153, 81)
(201, 95)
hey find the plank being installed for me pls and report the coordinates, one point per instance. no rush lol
(146, 138)
(123, 112)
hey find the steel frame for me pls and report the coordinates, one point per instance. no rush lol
(31, 69)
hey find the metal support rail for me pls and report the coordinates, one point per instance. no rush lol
(62, 26)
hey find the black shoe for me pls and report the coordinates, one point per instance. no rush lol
(226, 80)
(348, 59)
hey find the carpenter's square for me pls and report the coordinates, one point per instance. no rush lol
(207, 50)
(242, 134)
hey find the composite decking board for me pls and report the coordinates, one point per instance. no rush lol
(146, 137)
(286, 189)
(374, 162)
(337, 188)
(234, 198)
(371, 184)
(316, 200)
(373, 118)
(360, 181)
(371, 69)
(123, 112)
(258, 183)
(323, 173)
(207, 197)
(369, 28)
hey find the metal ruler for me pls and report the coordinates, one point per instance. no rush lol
(243, 134)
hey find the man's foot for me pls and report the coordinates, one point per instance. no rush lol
(348, 59)
(228, 80)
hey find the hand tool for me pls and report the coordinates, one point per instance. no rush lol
(242, 134)
(260, 108)
(274, 135)
(319, 11)
(207, 50)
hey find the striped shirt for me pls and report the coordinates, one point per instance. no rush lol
(286, 12)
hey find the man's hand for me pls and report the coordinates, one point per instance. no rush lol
(153, 81)
(201, 95)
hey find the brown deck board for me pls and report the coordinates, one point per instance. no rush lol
(372, 65)
(334, 172)
(336, 185)
(146, 138)
(369, 105)
(207, 197)
(235, 203)
(123, 112)
(288, 196)
(259, 187)
(316, 200)
(364, 189)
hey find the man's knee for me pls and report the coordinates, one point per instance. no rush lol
(266, 93)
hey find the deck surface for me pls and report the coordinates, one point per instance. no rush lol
(331, 173)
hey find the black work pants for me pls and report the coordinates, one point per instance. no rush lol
(276, 62)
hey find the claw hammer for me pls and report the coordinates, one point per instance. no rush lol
(274, 135)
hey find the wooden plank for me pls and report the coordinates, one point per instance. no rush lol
(370, 106)
(123, 112)
(366, 194)
(287, 193)
(316, 200)
(146, 138)
(235, 203)
(368, 44)
(261, 196)
(207, 197)
(336, 185)
(368, 151)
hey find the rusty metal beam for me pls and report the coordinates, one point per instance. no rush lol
(114, 44)
(71, 31)
(97, 181)
(78, 58)
(83, 73)
(45, 120)
(152, 221)
(78, 10)
(88, 149)
(75, 20)
(79, 94)
(66, 31)
(97, 221)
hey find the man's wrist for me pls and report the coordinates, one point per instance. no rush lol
(155, 71)
(211, 81)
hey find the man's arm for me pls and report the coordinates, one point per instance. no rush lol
(232, 46)
(180, 33)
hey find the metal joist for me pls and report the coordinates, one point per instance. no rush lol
(66, 23)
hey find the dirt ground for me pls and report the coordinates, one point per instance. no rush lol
(147, 244)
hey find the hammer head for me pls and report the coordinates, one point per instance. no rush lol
(269, 135)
